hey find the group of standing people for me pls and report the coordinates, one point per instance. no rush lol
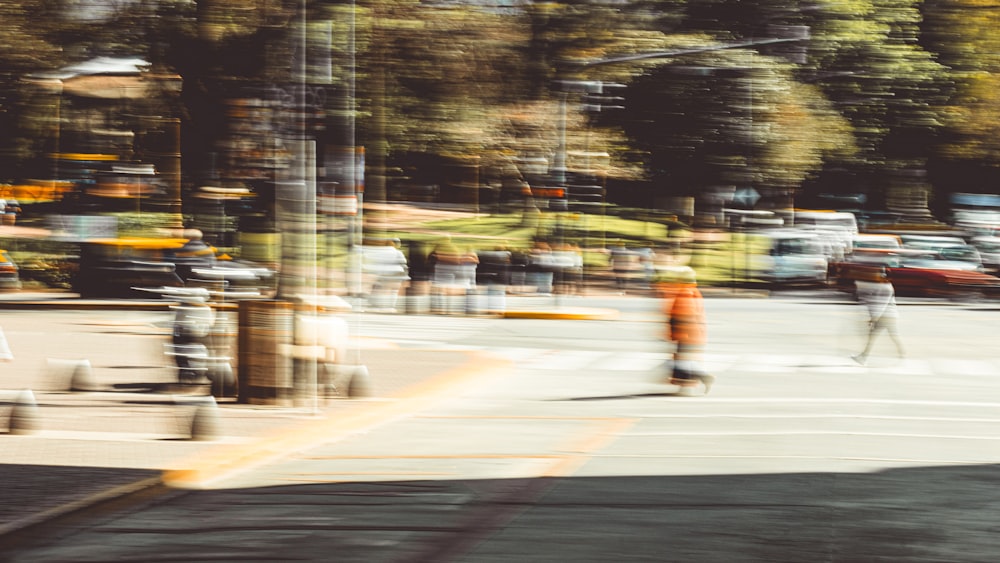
(630, 265)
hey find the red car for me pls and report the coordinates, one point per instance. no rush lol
(918, 273)
(9, 275)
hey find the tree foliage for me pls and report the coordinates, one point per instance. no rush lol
(878, 87)
(966, 36)
(23, 49)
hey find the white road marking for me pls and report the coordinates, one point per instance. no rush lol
(633, 361)
(836, 401)
(976, 368)
(815, 433)
(567, 360)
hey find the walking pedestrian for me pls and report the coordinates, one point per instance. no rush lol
(879, 297)
(684, 307)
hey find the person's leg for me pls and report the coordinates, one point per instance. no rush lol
(707, 380)
(892, 329)
(682, 373)
(688, 371)
(873, 328)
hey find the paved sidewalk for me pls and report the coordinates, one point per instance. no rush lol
(73, 461)
(93, 446)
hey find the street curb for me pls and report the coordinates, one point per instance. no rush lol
(564, 313)
(568, 313)
(84, 304)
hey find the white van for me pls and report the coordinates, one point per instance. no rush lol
(780, 256)
(834, 220)
(876, 241)
(839, 227)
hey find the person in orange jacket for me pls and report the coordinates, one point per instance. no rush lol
(684, 308)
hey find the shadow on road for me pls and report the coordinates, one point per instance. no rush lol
(627, 396)
(946, 513)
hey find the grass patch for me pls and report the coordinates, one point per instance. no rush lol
(521, 230)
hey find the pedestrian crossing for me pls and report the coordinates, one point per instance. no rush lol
(774, 364)
(465, 333)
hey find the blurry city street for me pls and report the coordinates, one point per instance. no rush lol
(507, 439)
(499, 281)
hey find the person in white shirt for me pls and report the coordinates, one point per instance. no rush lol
(880, 299)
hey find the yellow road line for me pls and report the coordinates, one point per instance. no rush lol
(568, 313)
(230, 460)
(582, 448)
(435, 456)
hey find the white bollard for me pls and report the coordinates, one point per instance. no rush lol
(23, 414)
(205, 419)
(360, 384)
(74, 375)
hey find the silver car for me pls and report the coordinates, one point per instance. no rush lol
(989, 251)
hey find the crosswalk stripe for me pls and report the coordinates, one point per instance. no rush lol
(520, 355)
(911, 367)
(805, 400)
(770, 363)
(435, 331)
(964, 367)
(565, 360)
(635, 361)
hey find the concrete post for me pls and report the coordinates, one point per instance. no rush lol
(24, 414)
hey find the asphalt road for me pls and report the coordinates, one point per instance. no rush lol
(574, 450)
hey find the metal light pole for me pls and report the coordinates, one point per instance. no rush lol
(564, 88)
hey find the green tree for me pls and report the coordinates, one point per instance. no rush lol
(465, 81)
(866, 58)
(966, 35)
(862, 61)
(24, 49)
(737, 118)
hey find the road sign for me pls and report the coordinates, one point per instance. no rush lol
(746, 196)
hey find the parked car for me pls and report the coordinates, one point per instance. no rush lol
(932, 278)
(915, 272)
(885, 241)
(114, 267)
(130, 267)
(953, 249)
(841, 220)
(231, 279)
(839, 227)
(989, 251)
(785, 256)
(10, 277)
